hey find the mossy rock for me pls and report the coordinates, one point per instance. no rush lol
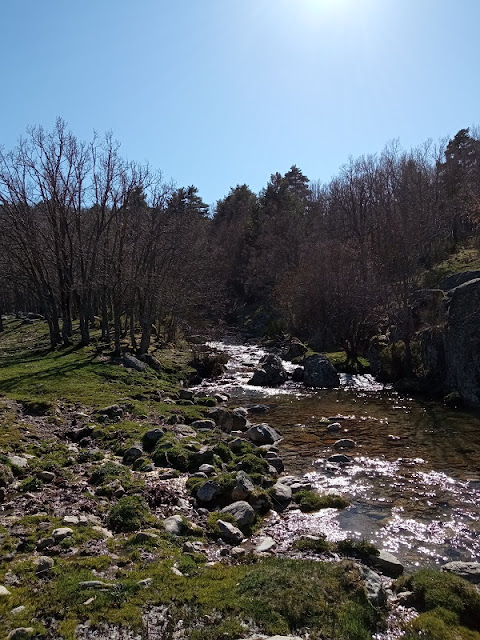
(129, 514)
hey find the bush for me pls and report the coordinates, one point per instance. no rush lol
(251, 463)
(312, 501)
(315, 545)
(435, 590)
(129, 514)
(361, 549)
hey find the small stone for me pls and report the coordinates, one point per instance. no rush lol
(243, 486)
(340, 458)
(206, 468)
(61, 533)
(44, 565)
(344, 443)
(45, 543)
(238, 552)
(174, 525)
(262, 434)
(146, 536)
(145, 583)
(71, 520)
(46, 476)
(177, 572)
(334, 427)
(105, 532)
(4, 591)
(203, 424)
(95, 584)
(18, 610)
(265, 544)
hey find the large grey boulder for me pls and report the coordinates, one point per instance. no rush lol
(131, 362)
(229, 532)
(462, 342)
(270, 372)
(468, 570)
(387, 563)
(132, 454)
(262, 434)
(319, 372)
(243, 486)
(243, 513)
(209, 491)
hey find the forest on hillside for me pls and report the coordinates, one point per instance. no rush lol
(87, 235)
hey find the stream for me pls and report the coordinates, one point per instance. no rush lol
(414, 484)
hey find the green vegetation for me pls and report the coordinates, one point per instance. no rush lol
(312, 501)
(129, 514)
(450, 606)
(465, 258)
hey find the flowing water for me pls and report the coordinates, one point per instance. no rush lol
(414, 484)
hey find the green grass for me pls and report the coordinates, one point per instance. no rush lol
(466, 258)
(31, 373)
(277, 596)
(312, 501)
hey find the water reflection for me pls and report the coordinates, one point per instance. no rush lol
(413, 483)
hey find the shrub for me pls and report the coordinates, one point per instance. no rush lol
(312, 501)
(129, 514)
(361, 549)
(315, 545)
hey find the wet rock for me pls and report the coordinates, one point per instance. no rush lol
(151, 437)
(319, 372)
(387, 563)
(61, 533)
(243, 513)
(275, 461)
(340, 458)
(243, 486)
(344, 443)
(229, 533)
(468, 570)
(334, 427)
(209, 491)
(21, 633)
(262, 434)
(295, 483)
(131, 362)
(266, 544)
(270, 373)
(43, 565)
(258, 408)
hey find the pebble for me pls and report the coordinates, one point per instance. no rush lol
(4, 591)
(18, 610)
(71, 520)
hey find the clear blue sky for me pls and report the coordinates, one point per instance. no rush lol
(220, 92)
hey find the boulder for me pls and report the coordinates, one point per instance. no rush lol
(4, 591)
(275, 461)
(319, 372)
(175, 526)
(462, 342)
(151, 437)
(222, 418)
(203, 424)
(334, 427)
(265, 544)
(468, 570)
(131, 362)
(21, 633)
(374, 586)
(455, 280)
(243, 513)
(18, 461)
(388, 564)
(61, 533)
(295, 349)
(229, 532)
(209, 491)
(43, 565)
(298, 374)
(243, 486)
(281, 495)
(132, 454)
(46, 476)
(262, 434)
(295, 483)
(258, 408)
(270, 372)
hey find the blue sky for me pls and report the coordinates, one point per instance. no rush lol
(220, 92)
